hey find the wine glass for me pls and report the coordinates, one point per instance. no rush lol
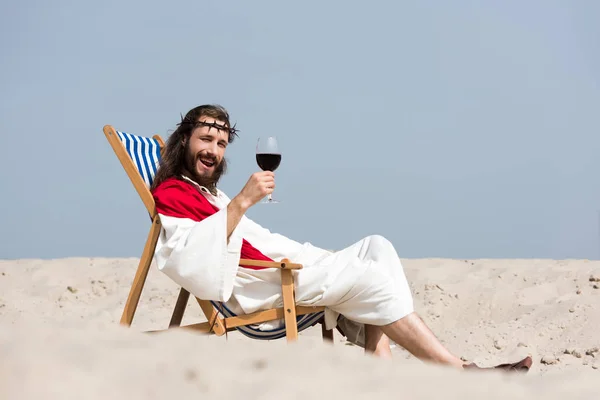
(268, 158)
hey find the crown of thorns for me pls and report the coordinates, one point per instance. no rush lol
(233, 131)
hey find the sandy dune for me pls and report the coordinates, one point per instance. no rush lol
(59, 337)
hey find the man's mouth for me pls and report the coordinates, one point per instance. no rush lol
(207, 162)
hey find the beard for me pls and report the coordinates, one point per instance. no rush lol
(208, 181)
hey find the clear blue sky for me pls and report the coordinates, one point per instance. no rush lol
(456, 129)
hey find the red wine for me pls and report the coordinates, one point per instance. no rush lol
(268, 161)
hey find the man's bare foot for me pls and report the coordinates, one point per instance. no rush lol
(520, 366)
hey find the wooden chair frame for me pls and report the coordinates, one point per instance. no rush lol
(215, 324)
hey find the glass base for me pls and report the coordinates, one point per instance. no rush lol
(268, 200)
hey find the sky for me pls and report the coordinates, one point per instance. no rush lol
(461, 129)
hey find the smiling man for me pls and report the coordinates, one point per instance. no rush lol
(205, 234)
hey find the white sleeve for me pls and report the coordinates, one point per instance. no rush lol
(197, 256)
(273, 245)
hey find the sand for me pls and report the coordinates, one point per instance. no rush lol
(60, 337)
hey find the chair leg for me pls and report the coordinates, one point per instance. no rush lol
(289, 306)
(142, 272)
(179, 309)
(212, 316)
(327, 333)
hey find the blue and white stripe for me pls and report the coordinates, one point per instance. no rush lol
(145, 154)
(303, 321)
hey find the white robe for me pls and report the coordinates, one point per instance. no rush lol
(364, 283)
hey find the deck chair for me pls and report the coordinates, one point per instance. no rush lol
(140, 158)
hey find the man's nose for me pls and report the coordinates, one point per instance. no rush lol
(212, 149)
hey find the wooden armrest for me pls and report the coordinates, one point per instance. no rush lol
(270, 264)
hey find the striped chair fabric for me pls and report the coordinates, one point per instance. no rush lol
(145, 154)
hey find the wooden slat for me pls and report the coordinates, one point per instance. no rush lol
(179, 309)
(266, 315)
(130, 169)
(287, 288)
(212, 316)
(142, 272)
(270, 264)
(203, 327)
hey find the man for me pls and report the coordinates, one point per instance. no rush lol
(363, 287)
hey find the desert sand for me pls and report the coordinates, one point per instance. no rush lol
(60, 337)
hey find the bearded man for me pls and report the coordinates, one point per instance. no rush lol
(205, 234)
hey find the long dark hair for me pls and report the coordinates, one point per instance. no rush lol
(172, 163)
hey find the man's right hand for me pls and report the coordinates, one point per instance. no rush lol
(258, 186)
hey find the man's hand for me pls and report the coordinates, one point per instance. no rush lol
(258, 186)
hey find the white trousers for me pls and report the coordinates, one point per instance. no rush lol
(364, 283)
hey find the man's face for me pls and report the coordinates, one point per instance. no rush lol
(206, 151)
